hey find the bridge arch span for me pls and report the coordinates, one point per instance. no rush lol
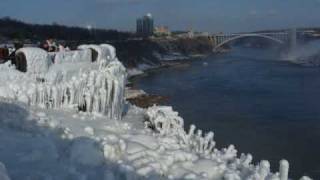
(248, 35)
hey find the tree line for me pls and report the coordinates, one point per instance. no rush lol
(12, 29)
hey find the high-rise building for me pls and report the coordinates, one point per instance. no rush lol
(145, 26)
(139, 26)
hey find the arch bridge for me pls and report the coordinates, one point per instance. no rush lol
(279, 37)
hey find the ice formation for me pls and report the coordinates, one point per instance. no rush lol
(72, 81)
(163, 119)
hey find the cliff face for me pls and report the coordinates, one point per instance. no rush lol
(154, 51)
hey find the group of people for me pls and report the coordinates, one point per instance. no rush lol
(51, 46)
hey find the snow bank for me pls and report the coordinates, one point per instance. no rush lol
(38, 61)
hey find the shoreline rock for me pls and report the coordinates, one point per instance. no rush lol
(146, 100)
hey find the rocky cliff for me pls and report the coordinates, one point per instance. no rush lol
(156, 51)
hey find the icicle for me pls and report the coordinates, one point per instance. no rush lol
(264, 169)
(65, 96)
(200, 141)
(41, 96)
(96, 104)
(208, 138)
(103, 99)
(191, 130)
(72, 94)
(284, 169)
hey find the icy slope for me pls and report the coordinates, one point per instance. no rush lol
(55, 144)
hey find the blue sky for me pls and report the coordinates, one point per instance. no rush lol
(201, 15)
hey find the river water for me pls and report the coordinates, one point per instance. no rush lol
(252, 99)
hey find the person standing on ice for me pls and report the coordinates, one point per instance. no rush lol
(50, 45)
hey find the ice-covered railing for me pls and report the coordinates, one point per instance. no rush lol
(33, 60)
(67, 80)
(100, 53)
(167, 123)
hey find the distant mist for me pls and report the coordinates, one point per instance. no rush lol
(308, 53)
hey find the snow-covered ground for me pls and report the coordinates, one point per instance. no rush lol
(48, 144)
(39, 141)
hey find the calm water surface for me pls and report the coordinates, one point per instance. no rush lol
(252, 99)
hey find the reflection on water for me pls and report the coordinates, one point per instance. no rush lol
(252, 99)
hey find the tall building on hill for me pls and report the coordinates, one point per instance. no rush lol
(145, 26)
